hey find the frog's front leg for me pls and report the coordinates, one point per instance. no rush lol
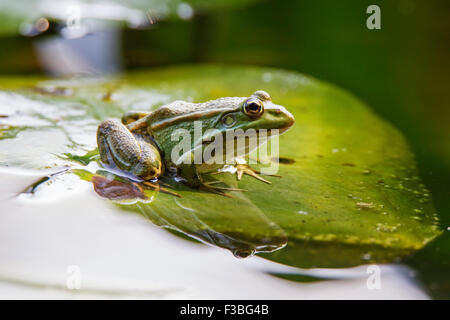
(241, 168)
(194, 179)
(127, 151)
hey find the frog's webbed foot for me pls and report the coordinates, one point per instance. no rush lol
(194, 179)
(242, 169)
(159, 186)
(210, 186)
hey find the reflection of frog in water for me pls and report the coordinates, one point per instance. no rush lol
(142, 143)
(174, 216)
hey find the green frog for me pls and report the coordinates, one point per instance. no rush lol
(142, 143)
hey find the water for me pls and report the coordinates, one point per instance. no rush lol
(122, 255)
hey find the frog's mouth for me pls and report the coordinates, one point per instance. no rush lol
(259, 136)
(255, 133)
(268, 132)
(272, 132)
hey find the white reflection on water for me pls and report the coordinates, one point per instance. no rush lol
(121, 255)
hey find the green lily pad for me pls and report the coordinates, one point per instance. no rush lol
(349, 191)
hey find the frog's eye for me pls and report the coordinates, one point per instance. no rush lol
(253, 108)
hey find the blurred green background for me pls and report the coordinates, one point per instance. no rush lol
(401, 71)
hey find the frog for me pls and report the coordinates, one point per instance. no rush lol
(142, 143)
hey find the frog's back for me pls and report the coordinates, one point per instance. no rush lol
(181, 108)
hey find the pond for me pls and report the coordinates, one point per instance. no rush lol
(341, 220)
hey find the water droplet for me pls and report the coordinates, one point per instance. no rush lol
(302, 212)
(185, 11)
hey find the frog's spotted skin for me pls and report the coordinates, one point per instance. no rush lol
(178, 108)
(142, 143)
(179, 111)
(129, 152)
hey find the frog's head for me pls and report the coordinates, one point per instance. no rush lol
(239, 116)
(258, 112)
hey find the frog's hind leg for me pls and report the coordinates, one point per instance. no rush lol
(127, 151)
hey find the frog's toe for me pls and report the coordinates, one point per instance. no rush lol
(242, 169)
(214, 189)
(212, 184)
(158, 186)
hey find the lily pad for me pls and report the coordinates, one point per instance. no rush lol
(349, 191)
